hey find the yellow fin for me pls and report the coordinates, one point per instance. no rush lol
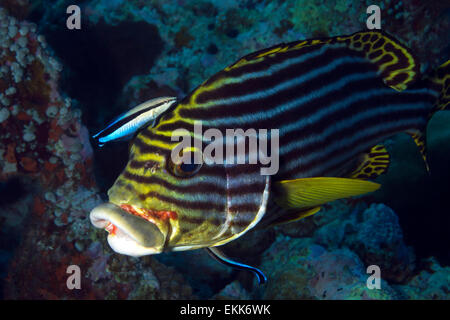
(294, 216)
(396, 64)
(373, 163)
(313, 192)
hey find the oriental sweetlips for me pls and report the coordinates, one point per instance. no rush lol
(333, 100)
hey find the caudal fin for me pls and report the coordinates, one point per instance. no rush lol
(441, 80)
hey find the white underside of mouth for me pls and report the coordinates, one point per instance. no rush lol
(120, 240)
(123, 243)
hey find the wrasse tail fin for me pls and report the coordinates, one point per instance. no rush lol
(372, 163)
(219, 256)
(313, 192)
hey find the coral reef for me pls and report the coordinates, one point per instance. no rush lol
(45, 146)
(300, 269)
(379, 241)
(353, 238)
(431, 283)
(233, 291)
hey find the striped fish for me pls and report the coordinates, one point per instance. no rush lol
(333, 100)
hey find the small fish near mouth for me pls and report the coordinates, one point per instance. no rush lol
(128, 233)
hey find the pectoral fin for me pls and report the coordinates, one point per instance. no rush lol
(313, 192)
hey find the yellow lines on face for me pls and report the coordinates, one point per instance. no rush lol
(175, 118)
(154, 157)
(157, 143)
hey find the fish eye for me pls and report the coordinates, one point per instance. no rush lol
(186, 169)
(189, 167)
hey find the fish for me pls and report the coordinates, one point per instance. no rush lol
(333, 101)
(127, 124)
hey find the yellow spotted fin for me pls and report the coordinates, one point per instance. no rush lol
(312, 192)
(372, 163)
(395, 63)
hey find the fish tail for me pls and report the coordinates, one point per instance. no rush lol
(440, 80)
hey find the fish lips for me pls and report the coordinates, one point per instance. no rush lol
(132, 235)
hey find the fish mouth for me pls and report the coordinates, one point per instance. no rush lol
(129, 234)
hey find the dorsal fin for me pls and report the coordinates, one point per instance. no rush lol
(397, 65)
(372, 163)
(394, 61)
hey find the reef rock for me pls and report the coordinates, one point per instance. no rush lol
(300, 269)
(45, 147)
(431, 283)
(379, 241)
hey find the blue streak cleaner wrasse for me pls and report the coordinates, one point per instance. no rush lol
(127, 124)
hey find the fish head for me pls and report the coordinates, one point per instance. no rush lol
(159, 203)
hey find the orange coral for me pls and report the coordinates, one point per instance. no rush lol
(35, 92)
(50, 167)
(10, 153)
(23, 116)
(60, 176)
(29, 164)
(55, 131)
(39, 206)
